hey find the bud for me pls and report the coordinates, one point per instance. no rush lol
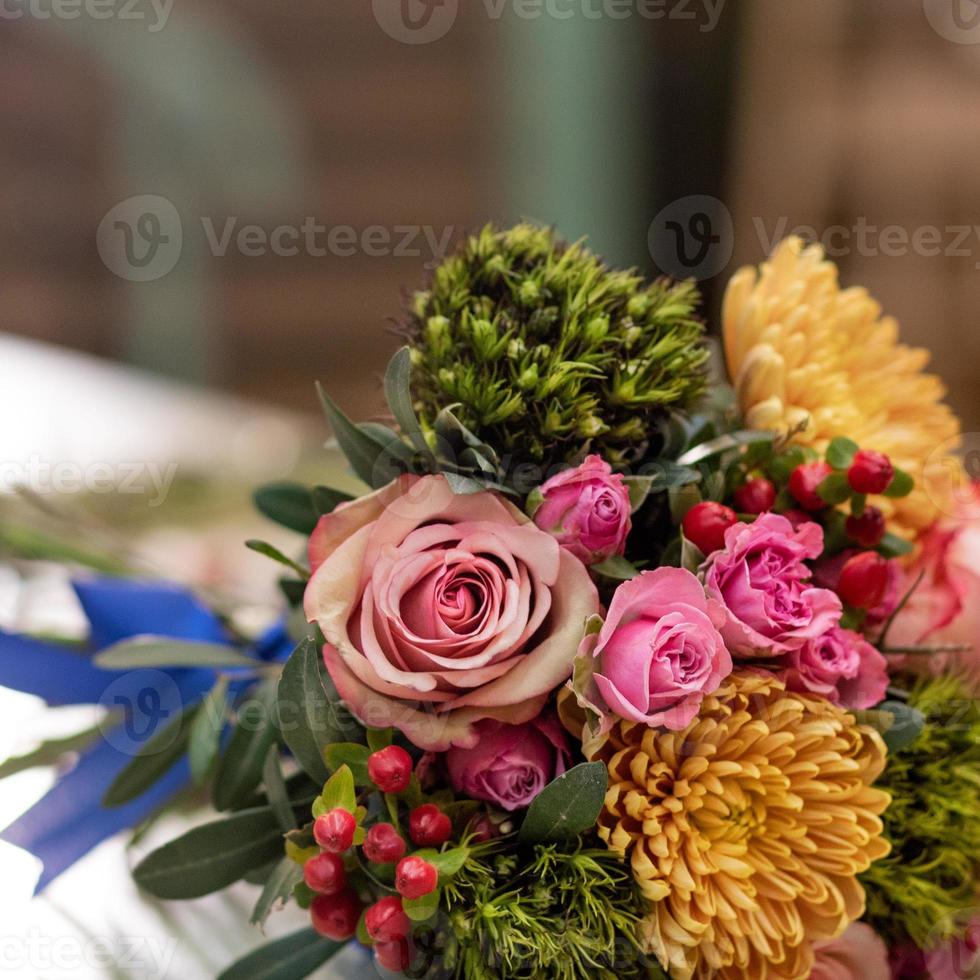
(705, 525)
(868, 529)
(325, 874)
(870, 472)
(428, 826)
(864, 580)
(390, 769)
(383, 844)
(415, 877)
(334, 831)
(803, 483)
(336, 916)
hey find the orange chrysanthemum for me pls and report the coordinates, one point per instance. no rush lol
(747, 830)
(801, 351)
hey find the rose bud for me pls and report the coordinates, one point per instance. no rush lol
(803, 483)
(394, 956)
(325, 874)
(428, 826)
(756, 497)
(870, 472)
(587, 510)
(334, 831)
(415, 877)
(864, 580)
(868, 529)
(336, 916)
(705, 525)
(386, 920)
(384, 845)
(390, 769)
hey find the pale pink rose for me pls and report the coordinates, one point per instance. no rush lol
(763, 584)
(840, 666)
(587, 509)
(959, 959)
(859, 954)
(659, 651)
(441, 609)
(510, 764)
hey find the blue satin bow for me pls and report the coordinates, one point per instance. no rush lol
(70, 820)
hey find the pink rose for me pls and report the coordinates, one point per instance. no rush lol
(440, 610)
(840, 666)
(587, 509)
(510, 764)
(659, 651)
(859, 954)
(763, 584)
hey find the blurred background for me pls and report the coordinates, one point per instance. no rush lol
(205, 205)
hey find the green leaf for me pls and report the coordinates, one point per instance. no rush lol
(53, 751)
(303, 709)
(858, 503)
(277, 891)
(240, 766)
(892, 546)
(398, 393)
(162, 651)
(206, 729)
(463, 485)
(289, 504)
(617, 568)
(422, 909)
(370, 449)
(899, 723)
(271, 551)
(668, 474)
(326, 499)
(731, 440)
(840, 452)
(834, 489)
(27, 542)
(447, 863)
(692, 557)
(156, 757)
(211, 856)
(379, 738)
(568, 805)
(782, 466)
(352, 755)
(275, 790)
(901, 486)
(337, 792)
(289, 958)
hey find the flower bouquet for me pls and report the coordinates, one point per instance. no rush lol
(614, 670)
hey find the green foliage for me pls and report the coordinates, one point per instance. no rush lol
(545, 353)
(292, 956)
(933, 822)
(551, 912)
(568, 805)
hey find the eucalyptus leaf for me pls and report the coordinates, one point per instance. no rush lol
(54, 751)
(290, 958)
(275, 790)
(164, 651)
(240, 766)
(326, 499)
(398, 393)
(277, 890)
(206, 729)
(306, 716)
(568, 805)
(463, 485)
(271, 551)
(729, 441)
(289, 504)
(211, 856)
(156, 757)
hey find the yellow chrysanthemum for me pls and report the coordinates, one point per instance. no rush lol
(803, 351)
(746, 831)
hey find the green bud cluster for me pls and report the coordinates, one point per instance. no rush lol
(548, 354)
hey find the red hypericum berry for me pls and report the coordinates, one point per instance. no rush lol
(325, 873)
(868, 529)
(755, 497)
(336, 916)
(394, 956)
(705, 525)
(334, 831)
(803, 483)
(428, 826)
(386, 920)
(390, 769)
(415, 877)
(383, 844)
(870, 472)
(864, 580)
